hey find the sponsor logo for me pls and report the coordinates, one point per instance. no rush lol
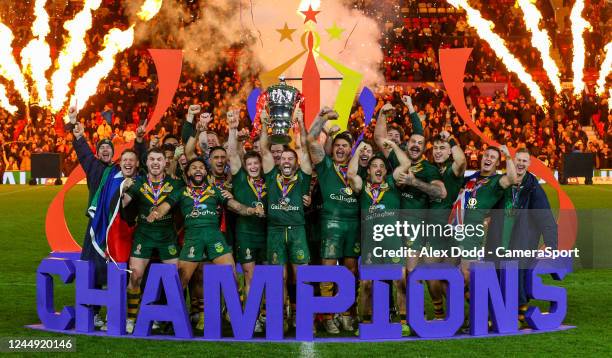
(284, 208)
(219, 247)
(340, 197)
(172, 250)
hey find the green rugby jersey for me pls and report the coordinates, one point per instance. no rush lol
(488, 192)
(339, 201)
(147, 195)
(388, 197)
(453, 185)
(288, 210)
(246, 191)
(423, 170)
(200, 206)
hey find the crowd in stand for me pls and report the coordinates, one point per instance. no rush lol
(126, 97)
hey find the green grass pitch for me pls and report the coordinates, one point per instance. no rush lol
(23, 245)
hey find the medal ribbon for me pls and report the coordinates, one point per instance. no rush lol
(341, 171)
(155, 189)
(285, 187)
(198, 195)
(258, 186)
(375, 192)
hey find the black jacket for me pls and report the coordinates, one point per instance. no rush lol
(533, 220)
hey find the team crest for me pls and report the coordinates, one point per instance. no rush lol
(357, 248)
(332, 249)
(219, 247)
(247, 254)
(172, 250)
(300, 254)
(137, 251)
(191, 252)
(472, 202)
(395, 260)
(274, 258)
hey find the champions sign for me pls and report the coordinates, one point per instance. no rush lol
(492, 301)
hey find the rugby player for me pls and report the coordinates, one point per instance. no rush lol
(339, 217)
(198, 203)
(421, 183)
(378, 194)
(249, 188)
(451, 162)
(288, 185)
(147, 193)
(480, 192)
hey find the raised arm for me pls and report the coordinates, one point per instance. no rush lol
(329, 138)
(459, 160)
(380, 131)
(305, 163)
(402, 158)
(315, 148)
(266, 156)
(354, 179)
(510, 177)
(233, 150)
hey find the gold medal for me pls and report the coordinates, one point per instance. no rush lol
(348, 191)
(259, 204)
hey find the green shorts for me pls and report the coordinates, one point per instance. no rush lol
(204, 244)
(251, 247)
(147, 242)
(339, 239)
(287, 244)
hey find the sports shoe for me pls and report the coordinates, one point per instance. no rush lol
(155, 325)
(259, 326)
(346, 322)
(98, 321)
(330, 326)
(405, 330)
(129, 326)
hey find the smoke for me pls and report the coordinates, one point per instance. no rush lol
(252, 25)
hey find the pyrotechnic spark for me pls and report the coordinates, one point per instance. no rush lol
(9, 68)
(605, 69)
(72, 53)
(114, 42)
(541, 41)
(149, 9)
(4, 101)
(36, 55)
(579, 25)
(484, 29)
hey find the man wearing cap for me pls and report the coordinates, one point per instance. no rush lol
(94, 167)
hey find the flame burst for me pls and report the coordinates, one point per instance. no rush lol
(149, 9)
(72, 53)
(114, 42)
(579, 25)
(36, 57)
(484, 29)
(541, 41)
(606, 67)
(4, 101)
(8, 66)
